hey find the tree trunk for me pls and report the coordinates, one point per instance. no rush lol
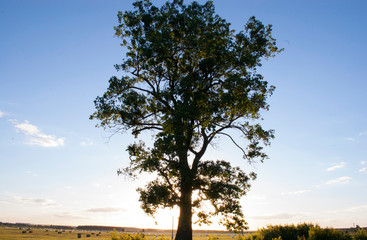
(184, 229)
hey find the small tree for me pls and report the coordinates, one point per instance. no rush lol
(189, 78)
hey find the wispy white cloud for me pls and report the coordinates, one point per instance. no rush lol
(2, 114)
(341, 180)
(36, 137)
(359, 208)
(105, 210)
(37, 201)
(350, 139)
(364, 162)
(4, 202)
(277, 216)
(363, 170)
(363, 133)
(258, 197)
(86, 143)
(68, 216)
(338, 166)
(296, 192)
(32, 173)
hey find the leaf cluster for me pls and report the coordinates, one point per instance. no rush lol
(222, 185)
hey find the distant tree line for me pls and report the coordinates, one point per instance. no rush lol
(80, 227)
(100, 228)
(29, 225)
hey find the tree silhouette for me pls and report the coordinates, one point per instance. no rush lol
(189, 78)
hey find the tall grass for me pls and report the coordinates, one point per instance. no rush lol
(126, 236)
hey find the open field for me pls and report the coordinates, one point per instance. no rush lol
(15, 234)
(286, 232)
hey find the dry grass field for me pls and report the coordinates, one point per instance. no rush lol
(15, 234)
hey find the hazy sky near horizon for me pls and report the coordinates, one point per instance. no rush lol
(56, 168)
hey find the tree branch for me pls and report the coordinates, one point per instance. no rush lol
(168, 181)
(198, 156)
(243, 151)
(155, 92)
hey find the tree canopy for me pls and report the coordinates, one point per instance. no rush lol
(190, 79)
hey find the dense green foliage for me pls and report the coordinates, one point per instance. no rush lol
(126, 236)
(287, 232)
(361, 234)
(253, 236)
(132, 236)
(189, 79)
(317, 233)
(303, 232)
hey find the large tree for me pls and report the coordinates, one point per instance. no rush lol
(189, 78)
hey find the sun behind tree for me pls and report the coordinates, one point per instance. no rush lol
(190, 78)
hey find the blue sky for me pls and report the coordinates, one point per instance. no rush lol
(57, 168)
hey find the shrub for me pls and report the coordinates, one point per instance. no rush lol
(303, 231)
(253, 236)
(162, 238)
(317, 233)
(286, 232)
(301, 238)
(114, 235)
(126, 236)
(361, 234)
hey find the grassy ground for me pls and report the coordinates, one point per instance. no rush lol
(15, 234)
